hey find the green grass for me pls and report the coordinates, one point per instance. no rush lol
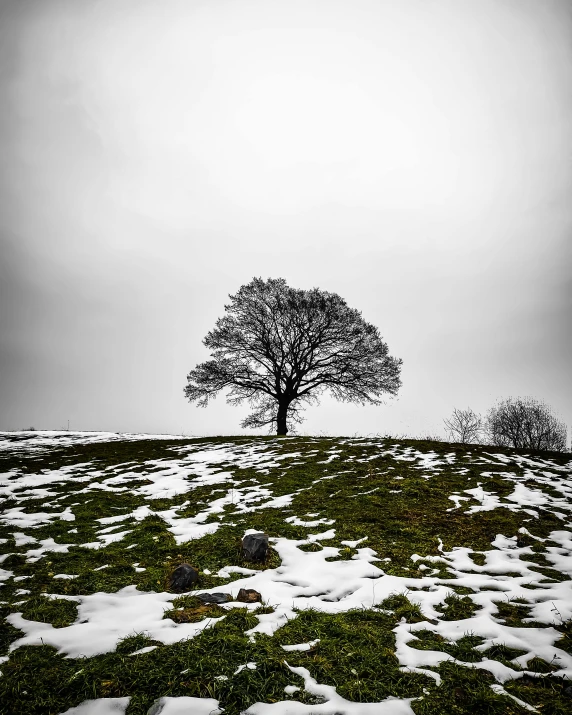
(385, 499)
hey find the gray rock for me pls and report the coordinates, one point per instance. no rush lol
(183, 578)
(255, 547)
(214, 597)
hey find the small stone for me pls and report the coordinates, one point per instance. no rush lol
(248, 595)
(183, 578)
(214, 597)
(255, 547)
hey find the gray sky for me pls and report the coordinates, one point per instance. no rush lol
(413, 157)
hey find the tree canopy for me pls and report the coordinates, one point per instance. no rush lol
(526, 423)
(279, 347)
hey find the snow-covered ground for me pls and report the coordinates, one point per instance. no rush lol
(304, 579)
(30, 440)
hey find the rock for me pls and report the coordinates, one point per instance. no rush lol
(255, 547)
(183, 578)
(568, 691)
(248, 595)
(183, 704)
(214, 597)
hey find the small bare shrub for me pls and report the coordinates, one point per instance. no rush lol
(525, 423)
(465, 426)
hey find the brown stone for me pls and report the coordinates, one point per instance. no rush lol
(248, 595)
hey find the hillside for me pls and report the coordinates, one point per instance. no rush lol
(401, 576)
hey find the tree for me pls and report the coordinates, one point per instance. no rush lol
(279, 347)
(525, 423)
(464, 425)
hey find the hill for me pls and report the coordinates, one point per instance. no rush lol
(401, 576)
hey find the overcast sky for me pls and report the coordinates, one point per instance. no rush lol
(413, 156)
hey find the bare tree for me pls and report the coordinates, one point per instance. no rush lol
(525, 423)
(465, 426)
(279, 347)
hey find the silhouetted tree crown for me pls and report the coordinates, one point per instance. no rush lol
(278, 347)
(525, 423)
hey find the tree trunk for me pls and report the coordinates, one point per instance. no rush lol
(281, 419)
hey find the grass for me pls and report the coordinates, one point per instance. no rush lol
(380, 489)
